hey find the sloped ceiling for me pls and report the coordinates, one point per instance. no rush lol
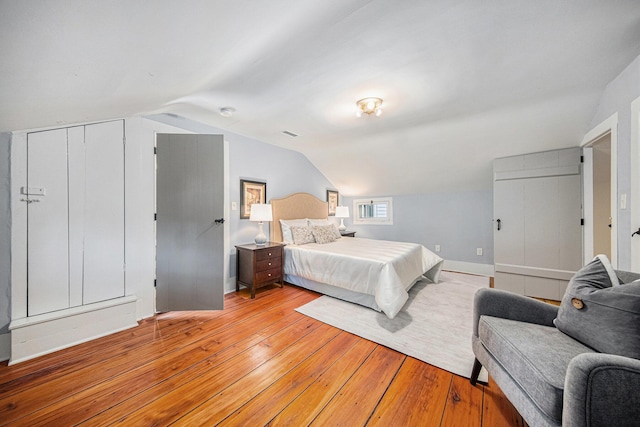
(463, 82)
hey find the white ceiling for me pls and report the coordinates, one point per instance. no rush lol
(463, 82)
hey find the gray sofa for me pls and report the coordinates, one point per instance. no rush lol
(551, 378)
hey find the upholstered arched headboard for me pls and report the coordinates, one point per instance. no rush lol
(295, 206)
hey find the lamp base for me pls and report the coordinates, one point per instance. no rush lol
(342, 227)
(261, 238)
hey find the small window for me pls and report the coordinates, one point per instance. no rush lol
(373, 211)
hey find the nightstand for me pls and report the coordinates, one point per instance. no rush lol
(348, 233)
(258, 266)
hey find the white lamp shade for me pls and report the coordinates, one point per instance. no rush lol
(342, 212)
(260, 212)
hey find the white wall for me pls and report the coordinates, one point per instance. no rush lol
(617, 98)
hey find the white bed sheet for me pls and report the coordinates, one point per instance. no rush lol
(380, 268)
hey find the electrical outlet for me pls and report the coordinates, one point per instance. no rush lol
(479, 251)
(437, 248)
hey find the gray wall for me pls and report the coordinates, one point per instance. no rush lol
(5, 232)
(459, 222)
(617, 98)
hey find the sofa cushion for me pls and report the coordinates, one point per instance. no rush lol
(627, 276)
(601, 313)
(535, 356)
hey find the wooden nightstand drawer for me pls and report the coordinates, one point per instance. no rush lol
(268, 264)
(270, 253)
(272, 275)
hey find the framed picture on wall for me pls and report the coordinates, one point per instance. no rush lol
(332, 200)
(251, 192)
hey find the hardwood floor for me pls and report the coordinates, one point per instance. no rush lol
(258, 362)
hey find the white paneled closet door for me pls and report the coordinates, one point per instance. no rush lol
(47, 219)
(538, 232)
(104, 212)
(75, 196)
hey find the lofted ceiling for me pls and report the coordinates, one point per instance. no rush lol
(463, 81)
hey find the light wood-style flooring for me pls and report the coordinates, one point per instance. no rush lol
(257, 362)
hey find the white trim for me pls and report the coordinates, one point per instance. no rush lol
(609, 125)
(635, 183)
(38, 335)
(18, 226)
(5, 346)
(227, 223)
(469, 267)
(587, 206)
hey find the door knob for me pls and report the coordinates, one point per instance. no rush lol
(636, 232)
(499, 222)
(219, 221)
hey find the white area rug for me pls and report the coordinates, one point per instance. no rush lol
(434, 326)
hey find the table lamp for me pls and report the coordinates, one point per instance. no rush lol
(342, 212)
(261, 213)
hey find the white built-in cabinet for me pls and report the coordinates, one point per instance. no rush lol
(75, 216)
(537, 218)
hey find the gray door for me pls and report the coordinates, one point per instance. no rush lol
(189, 230)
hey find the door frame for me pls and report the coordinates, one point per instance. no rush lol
(227, 283)
(635, 183)
(610, 125)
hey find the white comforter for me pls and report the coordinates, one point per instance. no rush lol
(380, 268)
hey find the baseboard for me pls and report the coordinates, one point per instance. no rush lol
(5, 346)
(230, 286)
(38, 335)
(469, 267)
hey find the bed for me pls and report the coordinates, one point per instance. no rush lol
(373, 273)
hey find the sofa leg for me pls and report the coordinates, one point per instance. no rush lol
(475, 372)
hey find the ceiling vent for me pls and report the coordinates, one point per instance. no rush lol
(291, 134)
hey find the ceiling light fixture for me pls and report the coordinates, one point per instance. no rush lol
(227, 111)
(369, 106)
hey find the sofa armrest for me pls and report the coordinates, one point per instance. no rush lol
(507, 305)
(601, 390)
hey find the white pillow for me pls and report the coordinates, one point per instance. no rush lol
(286, 225)
(319, 222)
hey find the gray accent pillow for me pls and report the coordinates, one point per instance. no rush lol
(599, 312)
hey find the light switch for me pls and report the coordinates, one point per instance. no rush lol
(234, 206)
(623, 201)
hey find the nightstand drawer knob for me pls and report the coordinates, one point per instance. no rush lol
(269, 263)
(269, 253)
(269, 274)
